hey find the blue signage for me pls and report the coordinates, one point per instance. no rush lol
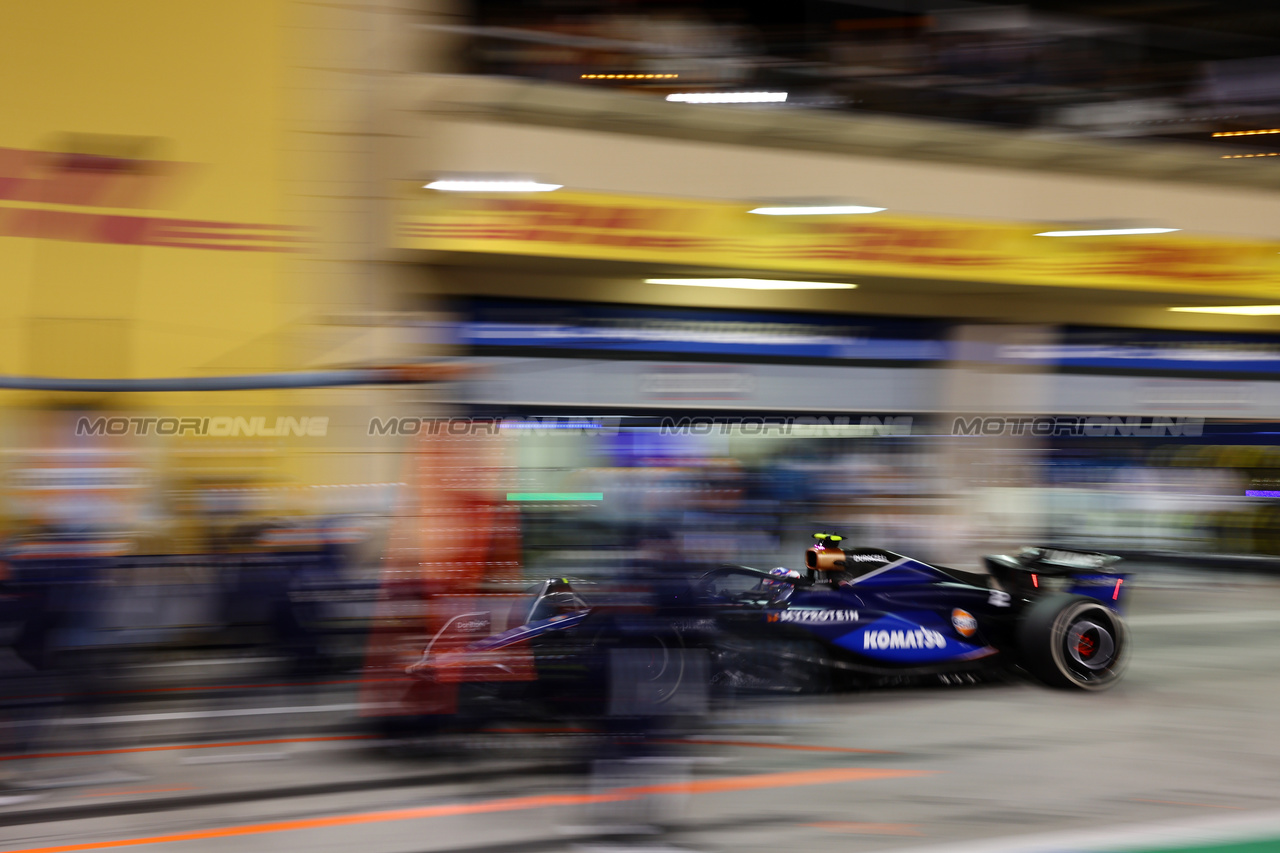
(639, 329)
(1141, 350)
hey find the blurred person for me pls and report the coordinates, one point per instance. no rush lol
(59, 576)
(271, 581)
(23, 690)
(656, 685)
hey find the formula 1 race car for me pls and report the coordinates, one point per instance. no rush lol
(868, 615)
(854, 617)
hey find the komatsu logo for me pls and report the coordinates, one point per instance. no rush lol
(866, 558)
(814, 617)
(919, 639)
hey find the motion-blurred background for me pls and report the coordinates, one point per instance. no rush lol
(316, 311)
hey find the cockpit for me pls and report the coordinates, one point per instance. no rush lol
(551, 598)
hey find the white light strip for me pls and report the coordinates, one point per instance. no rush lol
(1246, 310)
(1107, 232)
(753, 283)
(831, 209)
(729, 97)
(465, 186)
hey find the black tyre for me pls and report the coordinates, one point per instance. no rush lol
(1073, 641)
(657, 666)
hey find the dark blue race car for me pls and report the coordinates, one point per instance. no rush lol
(866, 615)
(852, 617)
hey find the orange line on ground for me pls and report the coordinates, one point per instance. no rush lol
(129, 749)
(706, 786)
(800, 747)
(1180, 803)
(866, 828)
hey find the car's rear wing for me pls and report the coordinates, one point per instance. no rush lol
(1036, 571)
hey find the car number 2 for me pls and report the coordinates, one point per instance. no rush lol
(998, 598)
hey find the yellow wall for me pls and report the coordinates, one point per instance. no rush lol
(194, 85)
(185, 191)
(144, 229)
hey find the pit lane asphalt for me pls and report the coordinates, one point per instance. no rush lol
(1188, 737)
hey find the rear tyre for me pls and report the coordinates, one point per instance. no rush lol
(1072, 641)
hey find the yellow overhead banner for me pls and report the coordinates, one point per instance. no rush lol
(725, 236)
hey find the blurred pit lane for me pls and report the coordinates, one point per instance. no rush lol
(1182, 742)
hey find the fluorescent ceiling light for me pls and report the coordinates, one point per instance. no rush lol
(729, 97)
(1106, 232)
(1247, 310)
(753, 283)
(458, 185)
(821, 210)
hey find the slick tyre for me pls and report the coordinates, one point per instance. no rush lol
(1072, 641)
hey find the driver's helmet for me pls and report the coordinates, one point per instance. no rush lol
(781, 572)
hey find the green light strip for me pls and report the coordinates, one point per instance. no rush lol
(555, 496)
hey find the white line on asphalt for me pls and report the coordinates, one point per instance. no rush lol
(199, 715)
(204, 662)
(1143, 836)
(754, 738)
(235, 758)
(1225, 617)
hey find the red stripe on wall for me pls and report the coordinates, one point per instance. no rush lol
(144, 231)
